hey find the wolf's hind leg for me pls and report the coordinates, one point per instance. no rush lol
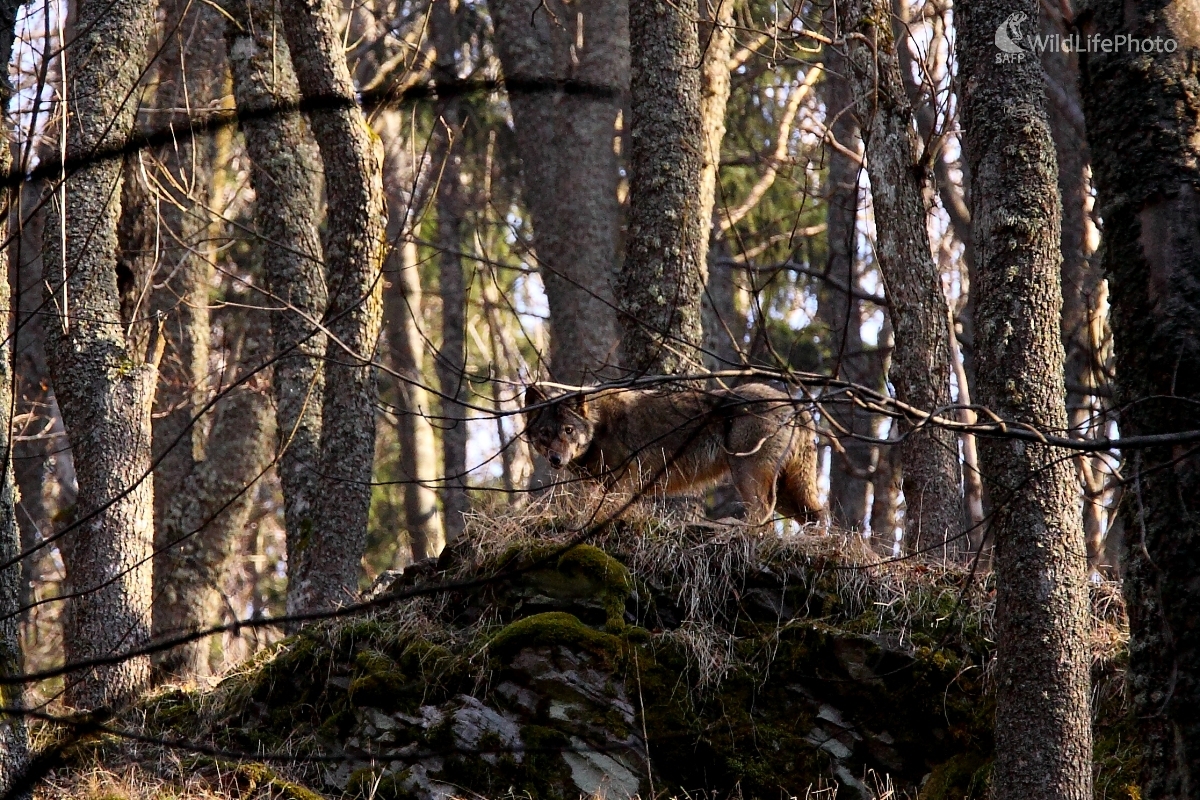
(755, 483)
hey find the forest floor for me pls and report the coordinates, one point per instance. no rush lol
(643, 657)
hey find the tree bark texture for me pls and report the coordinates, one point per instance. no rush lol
(105, 387)
(34, 399)
(1080, 280)
(1142, 115)
(218, 494)
(567, 69)
(841, 311)
(405, 340)
(662, 279)
(715, 35)
(329, 560)
(451, 238)
(1043, 721)
(189, 83)
(921, 365)
(14, 747)
(286, 174)
(722, 320)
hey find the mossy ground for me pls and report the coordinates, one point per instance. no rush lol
(759, 665)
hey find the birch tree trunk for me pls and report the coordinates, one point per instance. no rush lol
(1043, 721)
(286, 174)
(569, 167)
(921, 361)
(661, 281)
(1142, 113)
(329, 560)
(105, 386)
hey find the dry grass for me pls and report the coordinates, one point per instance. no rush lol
(704, 566)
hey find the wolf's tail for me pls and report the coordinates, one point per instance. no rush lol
(796, 487)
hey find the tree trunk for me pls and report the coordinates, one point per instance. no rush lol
(569, 166)
(722, 320)
(1142, 111)
(662, 279)
(202, 530)
(286, 175)
(34, 400)
(921, 361)
(1080, 278)
(405, 339)
(716, 33)
(1043, 722)
(327, 570)
(105, 386)
(451, 236)
(14, 748)
(840, 311)
(181, 296)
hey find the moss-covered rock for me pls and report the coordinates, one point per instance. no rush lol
(702, 665)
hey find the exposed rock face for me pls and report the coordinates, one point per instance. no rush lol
(702, 664)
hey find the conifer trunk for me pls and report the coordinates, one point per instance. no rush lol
(569, 167)
(1143, 120)
(1043, 720)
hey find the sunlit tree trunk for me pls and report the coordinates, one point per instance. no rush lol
(661, 281)
(217, 497)
(191, 78)
(328, 561)
(103, 379)
(1143, 121)
(1080, 277)
(1043, 719)
(187, 83)
(722, 319)
(921, 365)
(286, 175)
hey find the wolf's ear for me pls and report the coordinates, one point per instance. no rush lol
(534, 395)
(579, 405)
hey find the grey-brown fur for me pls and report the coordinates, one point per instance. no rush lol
(679, 442)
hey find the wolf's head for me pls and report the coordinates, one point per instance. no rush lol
(560, 431)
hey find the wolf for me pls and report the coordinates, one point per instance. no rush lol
(683, 441)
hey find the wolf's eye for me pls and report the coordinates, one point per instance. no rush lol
(568, 429)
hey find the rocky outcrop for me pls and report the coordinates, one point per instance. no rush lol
(647, 662)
